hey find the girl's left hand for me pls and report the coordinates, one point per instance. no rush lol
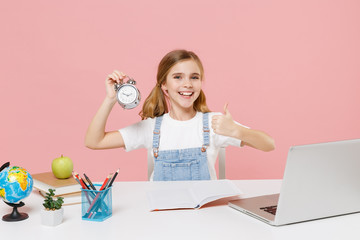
(224, 124)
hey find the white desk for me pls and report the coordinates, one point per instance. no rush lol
(132, 219)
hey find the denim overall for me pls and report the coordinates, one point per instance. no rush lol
(181, 164)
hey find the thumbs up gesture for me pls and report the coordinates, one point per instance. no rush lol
(223, 124)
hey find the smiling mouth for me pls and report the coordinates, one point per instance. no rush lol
(186, 94)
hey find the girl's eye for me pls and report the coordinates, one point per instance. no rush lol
(195, 77)
(177, 77)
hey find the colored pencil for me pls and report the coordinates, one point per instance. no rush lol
(76, 176)
(77, 180)
(107, 184)
(97, 196)
(104, 183)
(89, 181)
(113, 178)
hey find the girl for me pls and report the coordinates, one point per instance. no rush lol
(177, 125)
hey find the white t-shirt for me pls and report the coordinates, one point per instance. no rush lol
(176, 134)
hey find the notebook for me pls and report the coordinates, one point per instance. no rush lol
(320, 180)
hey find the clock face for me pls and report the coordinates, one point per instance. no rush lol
(127, 94)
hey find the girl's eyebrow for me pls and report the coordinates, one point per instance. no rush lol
(179, 73)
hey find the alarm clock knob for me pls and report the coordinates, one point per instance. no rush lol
(117, 86)
(131, 81)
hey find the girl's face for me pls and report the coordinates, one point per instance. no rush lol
(183, 84)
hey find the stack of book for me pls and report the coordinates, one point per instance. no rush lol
(68, 188)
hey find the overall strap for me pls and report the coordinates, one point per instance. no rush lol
(206, 132)
(156, 135)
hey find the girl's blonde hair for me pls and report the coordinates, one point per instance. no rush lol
(155, 104)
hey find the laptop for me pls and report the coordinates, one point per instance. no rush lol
(320, 180)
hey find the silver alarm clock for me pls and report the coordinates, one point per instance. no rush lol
(128, 96)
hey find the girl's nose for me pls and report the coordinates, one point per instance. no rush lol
(187, 82)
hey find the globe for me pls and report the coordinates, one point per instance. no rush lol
(15, 184)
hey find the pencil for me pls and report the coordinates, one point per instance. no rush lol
(105, 182)
(89, 181)
(97, 196)
(84, 182)
(76, 176)
(108, 184)
(78, 179)
(113, 179)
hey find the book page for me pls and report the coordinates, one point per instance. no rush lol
(208, 191)
(170, 199)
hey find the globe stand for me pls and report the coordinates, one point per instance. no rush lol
(15, 215)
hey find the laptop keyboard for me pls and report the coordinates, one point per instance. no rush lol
(270, 209)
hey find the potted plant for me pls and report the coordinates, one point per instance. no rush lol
(52, 213)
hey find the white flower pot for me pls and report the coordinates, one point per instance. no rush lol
(51, 218)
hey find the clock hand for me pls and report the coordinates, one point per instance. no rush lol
(127, 94)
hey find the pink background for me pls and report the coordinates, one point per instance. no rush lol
(290, 68)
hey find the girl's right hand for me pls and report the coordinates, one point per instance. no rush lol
(113, 78)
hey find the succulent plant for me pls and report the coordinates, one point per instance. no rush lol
(50, 203)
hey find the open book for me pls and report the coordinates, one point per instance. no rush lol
(191, 196)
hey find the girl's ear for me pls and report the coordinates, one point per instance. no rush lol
(163, 87)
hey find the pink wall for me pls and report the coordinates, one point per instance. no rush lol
(290, 68)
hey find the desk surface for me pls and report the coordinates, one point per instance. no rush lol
(132, 219)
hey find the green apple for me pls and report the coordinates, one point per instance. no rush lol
(62, 167)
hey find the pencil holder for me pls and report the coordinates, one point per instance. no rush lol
(96, 205)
